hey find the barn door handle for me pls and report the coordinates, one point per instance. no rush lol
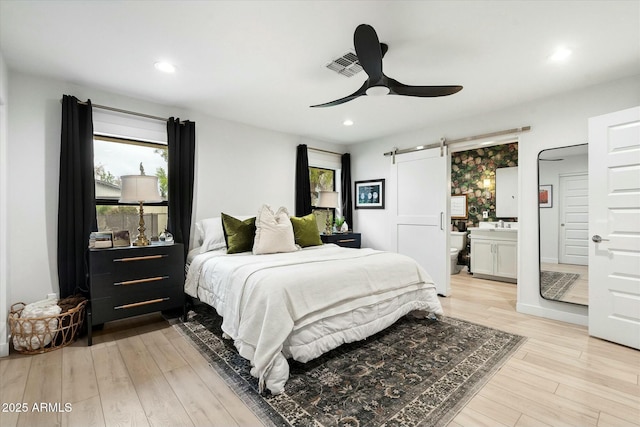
(597, 239)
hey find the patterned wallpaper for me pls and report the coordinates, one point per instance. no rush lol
(470, 168)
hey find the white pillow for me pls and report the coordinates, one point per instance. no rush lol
(212, 234)
(274, 232)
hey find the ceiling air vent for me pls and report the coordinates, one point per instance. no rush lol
(346, 65)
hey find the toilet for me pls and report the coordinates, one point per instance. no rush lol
(457, 241)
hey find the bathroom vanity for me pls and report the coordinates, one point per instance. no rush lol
(494, 251)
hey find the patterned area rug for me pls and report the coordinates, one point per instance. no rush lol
(414, 373)
(553, 284)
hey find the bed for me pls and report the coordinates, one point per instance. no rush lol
(302, 303)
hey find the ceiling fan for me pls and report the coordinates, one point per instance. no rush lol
(370, 52)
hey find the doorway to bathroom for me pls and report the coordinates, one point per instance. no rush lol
(475, 167)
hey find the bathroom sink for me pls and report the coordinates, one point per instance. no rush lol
(487, 224)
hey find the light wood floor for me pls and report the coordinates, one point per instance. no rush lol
(142, 372)
(579, 292)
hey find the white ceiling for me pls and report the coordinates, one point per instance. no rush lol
(263, 62)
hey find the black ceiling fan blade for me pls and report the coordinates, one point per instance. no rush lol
(383, 49)
(397, 88)
(354, 95)
(368, 50)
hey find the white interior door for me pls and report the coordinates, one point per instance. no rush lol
(614, 226)
(574, 219)
(419, 212)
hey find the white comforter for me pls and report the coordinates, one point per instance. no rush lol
(264, 298)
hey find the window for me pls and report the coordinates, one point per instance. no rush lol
(321, 179)
(114, 157)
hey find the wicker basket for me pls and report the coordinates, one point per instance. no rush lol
(41, 334)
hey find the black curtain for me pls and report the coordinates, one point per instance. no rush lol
(182, 147)
(303, 184)
(347, 211)
(76, 198)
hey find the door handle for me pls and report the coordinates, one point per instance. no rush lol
(597, 239)
(442, 221)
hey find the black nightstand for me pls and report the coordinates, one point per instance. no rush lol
(347, 240)
(125, 282)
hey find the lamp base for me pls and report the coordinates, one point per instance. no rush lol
(141, 239)
(328, 230)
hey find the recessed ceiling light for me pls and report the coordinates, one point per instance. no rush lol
(348, 122)
(560, 54)
(165, 67)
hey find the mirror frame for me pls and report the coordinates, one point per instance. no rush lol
(539, 228)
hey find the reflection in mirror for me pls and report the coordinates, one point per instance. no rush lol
(564, 224)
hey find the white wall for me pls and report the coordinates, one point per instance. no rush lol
(5, 295)
(549, 217)
(556, 122)
(237, 169)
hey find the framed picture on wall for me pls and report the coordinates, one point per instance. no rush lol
(459, 208)
(545, 196)
(369, 194)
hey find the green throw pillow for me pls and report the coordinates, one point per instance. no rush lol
(305, 231)
(238, 234)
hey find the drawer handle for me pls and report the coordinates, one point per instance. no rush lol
(138, 304)
(346, 240)
(140, 258)
(135, 282)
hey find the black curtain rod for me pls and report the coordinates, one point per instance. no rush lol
(325, 151)
(119, 110)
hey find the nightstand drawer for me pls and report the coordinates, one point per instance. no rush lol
(104, 285)
(347, 240)
(124, 264)
(107, 309)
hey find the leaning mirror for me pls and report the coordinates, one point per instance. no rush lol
(563, 224)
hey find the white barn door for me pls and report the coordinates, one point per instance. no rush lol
(419, 212)
(614, 226)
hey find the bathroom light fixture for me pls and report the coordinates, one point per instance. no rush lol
(348, 122)
(165, 67)
(560, 54)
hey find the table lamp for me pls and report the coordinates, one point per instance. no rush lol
(140, 189)
(329, 200)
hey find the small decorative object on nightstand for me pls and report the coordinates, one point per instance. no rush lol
(347, 240)
(125, 282)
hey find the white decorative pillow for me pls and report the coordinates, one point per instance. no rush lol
(212, 234)
(274, 232)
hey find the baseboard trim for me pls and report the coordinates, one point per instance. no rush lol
(547, 313)
(4, 340)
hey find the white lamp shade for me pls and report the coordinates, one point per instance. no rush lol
(327, 199)
(139, 188)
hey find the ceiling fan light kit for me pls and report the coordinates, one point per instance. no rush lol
(370, 52)
(377, 91)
